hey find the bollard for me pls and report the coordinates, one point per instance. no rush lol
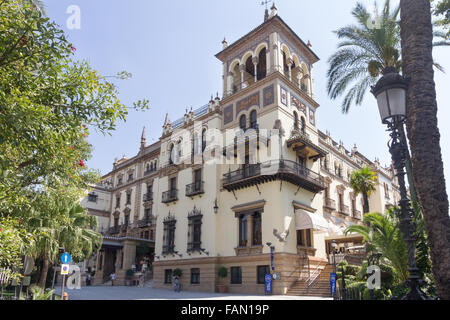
(65, 296)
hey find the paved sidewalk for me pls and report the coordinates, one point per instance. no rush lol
(145, 293)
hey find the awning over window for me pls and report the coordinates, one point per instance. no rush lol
(308, 220)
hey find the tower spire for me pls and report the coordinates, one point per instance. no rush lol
(266, 12)
(143, 140)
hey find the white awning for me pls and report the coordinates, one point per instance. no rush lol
(308, 220)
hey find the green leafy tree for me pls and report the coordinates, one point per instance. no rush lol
(49, 102)
(14, 243)
(382, 235)
(441, 9)
(62, 223)
(363, 181)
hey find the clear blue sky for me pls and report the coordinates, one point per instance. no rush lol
(169, 47)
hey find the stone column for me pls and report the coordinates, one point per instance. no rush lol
(299, 80)
(241, 69)
(255, 61)
(289, 63)
(230, 83)
(249, 230)
(225, 79)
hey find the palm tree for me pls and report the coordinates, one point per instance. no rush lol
(363, 181)
(63, 224)
(423, 134)
(364, 52)
(78, 235)
(381, 234)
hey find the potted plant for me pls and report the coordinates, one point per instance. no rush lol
(128, 275)
(222, 273)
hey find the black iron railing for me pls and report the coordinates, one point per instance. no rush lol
(144, 222)
(148, 196)
(194, 246)
(356, 214)
(195, 188)
(169, 196)
(168, 249)
(330, 203)
(344, 209)
(273, 167)
(114, 230)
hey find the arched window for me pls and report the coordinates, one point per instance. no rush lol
(171, 154)
(262, 64)
(179, 151)
(302, 125)
(203, 140)
(243, 122)
(253, 121)
(295, 120)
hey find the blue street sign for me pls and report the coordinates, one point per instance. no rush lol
(268, 283)
(271, 258)
(333, 283)
(65, 258)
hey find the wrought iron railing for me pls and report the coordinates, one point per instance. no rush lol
(147, 172)
(144, 222)
(344, 209)
(114, 230)
(194, 246)
(168, 249)
(195, 188)
(168, 196)
(148, 196)
(270, 168)
(330, 203)
(356, 214)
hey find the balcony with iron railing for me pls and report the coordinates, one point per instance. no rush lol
(194, 246)
(195, 188)
(356, 214)
(329, 203)
(146, 222)
(168, 249)
(148, 197)
(343, 209)
(169, 196)
(286, 170)
(149, 171)
(300, 140)
(114, 230)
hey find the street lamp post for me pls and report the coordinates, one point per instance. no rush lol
(390, 92)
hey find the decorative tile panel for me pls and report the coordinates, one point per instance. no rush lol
(247, 102)
(312, 116)
(228, 114)
(284, 96)
(268, 95)
(295, 102)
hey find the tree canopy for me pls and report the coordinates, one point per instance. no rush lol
(49, 101)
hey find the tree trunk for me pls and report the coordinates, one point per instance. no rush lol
(365, 202)
(423, 134)
(44, 271)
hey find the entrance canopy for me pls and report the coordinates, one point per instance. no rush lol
(308, 220)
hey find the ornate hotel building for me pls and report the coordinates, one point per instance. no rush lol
(290, 194)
